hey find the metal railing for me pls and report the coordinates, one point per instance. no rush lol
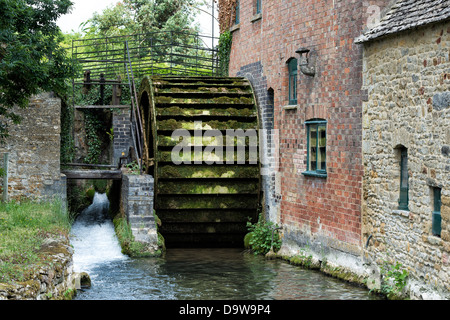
(137, 131)
(157, 53)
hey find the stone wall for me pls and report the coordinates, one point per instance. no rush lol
(34, 151)
(56, 281)
(407, 78)
(137, 205)
(122, 134)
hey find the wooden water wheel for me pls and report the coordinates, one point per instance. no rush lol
(202, 202)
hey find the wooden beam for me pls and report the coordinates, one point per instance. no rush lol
(88, 165)
(120, 106)
(93, 174)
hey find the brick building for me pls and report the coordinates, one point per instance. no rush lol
(306, 71)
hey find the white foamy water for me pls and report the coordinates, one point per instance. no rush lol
(93, 237)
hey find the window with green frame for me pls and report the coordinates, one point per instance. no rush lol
(292, 66)
(238, 12)
(404, 184)
(316, 131)
(436, 217)
(258, 6)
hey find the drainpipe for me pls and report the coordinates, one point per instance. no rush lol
(368, 239)
(273, 231)
(271, 254)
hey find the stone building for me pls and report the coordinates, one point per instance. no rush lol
(33, 148)
(406, 143)
(306, 71)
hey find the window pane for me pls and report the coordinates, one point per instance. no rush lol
(292, 81)
(436, 226)
(322, 143)
(404, 169)
(312, 148)
(403, 200)
(293, 89)
(437, 199)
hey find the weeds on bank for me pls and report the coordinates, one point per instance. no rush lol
(394, 279)
(23, 228)
(127, 242)
(259, 238)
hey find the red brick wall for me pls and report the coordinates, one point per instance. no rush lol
(325, 209)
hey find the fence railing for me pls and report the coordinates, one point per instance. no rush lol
(158, 53)
(137, 130)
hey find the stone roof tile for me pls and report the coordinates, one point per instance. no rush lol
(408, 14)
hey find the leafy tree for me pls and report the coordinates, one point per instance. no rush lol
(145, 16)
(31, 58)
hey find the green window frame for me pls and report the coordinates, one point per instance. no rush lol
(316, 160)
(292, 65)
(404, 183)
(237, 19)
(436, 215)
(258, 6)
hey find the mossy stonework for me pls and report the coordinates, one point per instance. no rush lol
(55, 281)
(203, 199)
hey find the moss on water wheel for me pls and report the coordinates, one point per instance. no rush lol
(204, 201)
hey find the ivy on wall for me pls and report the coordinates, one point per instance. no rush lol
(225, 41)
(94, 128)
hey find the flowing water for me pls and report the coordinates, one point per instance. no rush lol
(190, 274)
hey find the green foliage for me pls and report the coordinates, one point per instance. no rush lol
(129, 246)
(260, 240)
(142, 16)
(94, 127)
(90, 193)
(31, 57)
(66, 137)
(225, 42)
(394, 279)
(23, 228)
(133, 167)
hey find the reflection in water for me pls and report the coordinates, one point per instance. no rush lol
(190, 274)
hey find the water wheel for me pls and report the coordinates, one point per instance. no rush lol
(201, 201)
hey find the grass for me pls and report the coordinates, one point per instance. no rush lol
(23, 228)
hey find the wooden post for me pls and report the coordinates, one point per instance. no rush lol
(87, 82)
(5, 176)
(102, 89)
(117, 92)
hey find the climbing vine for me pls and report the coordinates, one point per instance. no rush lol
(225, 41)
(94, 128)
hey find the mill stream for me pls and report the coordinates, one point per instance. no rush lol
(190, 274)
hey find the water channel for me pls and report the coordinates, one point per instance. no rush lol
(190, 274)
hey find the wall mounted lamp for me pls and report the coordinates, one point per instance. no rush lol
(306, 63)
